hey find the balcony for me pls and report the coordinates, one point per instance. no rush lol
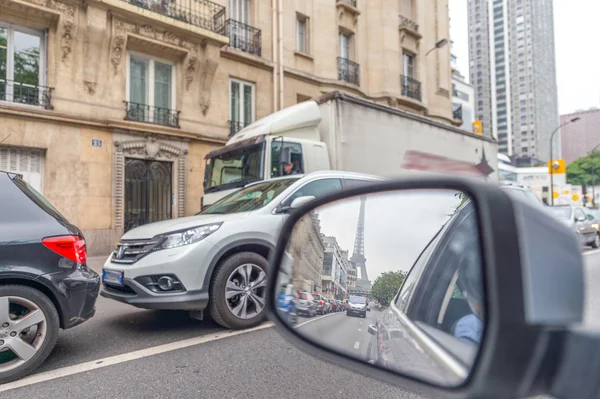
(348, 71)
(410, 87)
(243, 37)
(149, 114)
(27, 94)
(351, 3)
(457, 112)
(200, 13)
(235, 126)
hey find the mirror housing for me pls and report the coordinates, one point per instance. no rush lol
(527, 323)
(296, 204)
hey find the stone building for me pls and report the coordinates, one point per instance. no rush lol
(108, 107)
(307, 250)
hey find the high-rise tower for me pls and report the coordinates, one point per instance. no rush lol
(358, 254)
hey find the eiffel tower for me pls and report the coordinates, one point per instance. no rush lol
(358, 254)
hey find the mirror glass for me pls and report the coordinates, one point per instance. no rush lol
(392, 278)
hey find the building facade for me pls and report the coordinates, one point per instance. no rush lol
(335, 269)
(512, 65)
(109, 107)
(463, 98)
(307, 250)
(581, 138)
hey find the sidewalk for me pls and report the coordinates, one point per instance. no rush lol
(96, 262)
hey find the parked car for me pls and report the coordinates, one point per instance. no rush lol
(580, 221)
(45, 284)
(217, 259)
(322, 304)
(306, 305)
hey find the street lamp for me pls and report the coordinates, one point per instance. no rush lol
(439, 44)
(552, 157)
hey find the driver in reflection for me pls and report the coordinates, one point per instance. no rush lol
(469, 328)
(290, 169)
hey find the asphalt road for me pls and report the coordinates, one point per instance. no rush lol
(129, 353)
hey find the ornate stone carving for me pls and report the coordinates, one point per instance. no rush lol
(90, 87)
(209, 63)
(190, 70)
(66, 24)
(392, 102)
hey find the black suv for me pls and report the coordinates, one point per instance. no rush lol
(45, 283)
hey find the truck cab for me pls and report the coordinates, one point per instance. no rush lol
(259, 151)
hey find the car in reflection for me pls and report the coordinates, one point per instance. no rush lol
(357, 306)
(523, 194)
(286, 304)
(305, 303)
(322, 304)
(580, 220)
(417, 333)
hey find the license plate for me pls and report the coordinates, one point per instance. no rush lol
(112, 277)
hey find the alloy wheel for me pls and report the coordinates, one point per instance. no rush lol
(246, 290)
(23, 330)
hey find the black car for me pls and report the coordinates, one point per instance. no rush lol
(45, 283)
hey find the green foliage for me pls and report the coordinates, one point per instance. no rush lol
(580, 171)
(386, 286)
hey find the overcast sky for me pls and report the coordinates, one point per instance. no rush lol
(576, 29)
(398, 225)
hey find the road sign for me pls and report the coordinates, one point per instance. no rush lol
(477, 127)
(557, 167)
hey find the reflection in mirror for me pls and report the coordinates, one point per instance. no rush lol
(393, 279)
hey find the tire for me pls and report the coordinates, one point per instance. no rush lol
(52, 326)
(347, 313)
(596, 242)
(218, 305)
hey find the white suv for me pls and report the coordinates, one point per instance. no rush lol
(217, 259)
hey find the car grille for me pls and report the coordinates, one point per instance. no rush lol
(130, 251)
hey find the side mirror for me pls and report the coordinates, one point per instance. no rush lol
(580, 219)
(301, 201)
(285, 156)
(372, 329)
(476, 314)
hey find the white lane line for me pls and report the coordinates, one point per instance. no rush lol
(356, 345)
(595, 251)
(315, 319)
(125, 357)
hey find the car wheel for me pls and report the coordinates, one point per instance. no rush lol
(596, 242)
(238, 290)
(29, 327)
(347, 313)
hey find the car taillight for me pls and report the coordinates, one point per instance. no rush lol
(70, 247)
(321, 303)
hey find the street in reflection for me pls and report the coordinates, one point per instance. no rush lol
(392, 278)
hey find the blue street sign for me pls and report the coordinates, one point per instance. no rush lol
(96, 143)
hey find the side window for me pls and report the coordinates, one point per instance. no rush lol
(579, 214)
(317, 188)
(354, 183)
(296, 156)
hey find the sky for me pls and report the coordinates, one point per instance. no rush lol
(576, 29)
(398, 225)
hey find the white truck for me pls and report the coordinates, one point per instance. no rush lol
(342, 132)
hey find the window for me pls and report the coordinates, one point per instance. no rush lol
(150, 90)
(22, 54)
(302, 34)
(295, 150)
(345, 40)
(239, 10)
(316, 188)
(352, 183)
(241, 96)
(408, 64)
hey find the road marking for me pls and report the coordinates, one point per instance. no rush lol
(359, 329)
(595, 251)
(125, 357)
(315, 319)
(356, 345)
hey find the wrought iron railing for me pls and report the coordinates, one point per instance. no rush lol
(410, 87)
(149, 114)
(457, 112)
(235, 126)
(348, 71)
(25, 93)
(408, 23)
(201, 13)
(347, 2)
(243, 37)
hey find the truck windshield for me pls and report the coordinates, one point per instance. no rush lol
(234, 169)
(249, 198)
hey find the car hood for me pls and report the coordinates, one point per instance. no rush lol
(358, 305)
(153, 229)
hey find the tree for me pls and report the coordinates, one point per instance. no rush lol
(386, 286)
(579, 172)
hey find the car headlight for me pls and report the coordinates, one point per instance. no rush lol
(189, 236)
